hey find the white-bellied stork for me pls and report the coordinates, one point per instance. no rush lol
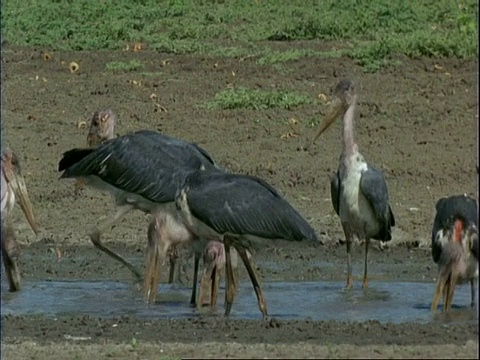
(13, 189)
(358, 189)
(142, 170)
(455, 246)
(240, 211)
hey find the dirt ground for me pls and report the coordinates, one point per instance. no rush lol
(417, 121)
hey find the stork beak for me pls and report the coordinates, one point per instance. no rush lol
(20, 190)
(334, 113)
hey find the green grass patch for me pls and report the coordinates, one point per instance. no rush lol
(125, 66)
(376, 28)
(243, 98)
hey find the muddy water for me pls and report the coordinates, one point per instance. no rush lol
(394, 302)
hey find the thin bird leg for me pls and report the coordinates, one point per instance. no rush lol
(365, 279)
(229, 279)
(438, 293)
(472, 289)
(195, 278)
(95, 237)
(451, 291)
(262, 304)
(9, 263)
(215, 282)
(152, 274)
(446, 290)
(348, 240)
(173, 258)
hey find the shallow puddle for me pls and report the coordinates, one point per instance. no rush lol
(385, 301)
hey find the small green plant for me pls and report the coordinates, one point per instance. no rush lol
(125, 66)
(242, 98)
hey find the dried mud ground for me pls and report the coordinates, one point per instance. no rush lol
(417, 121)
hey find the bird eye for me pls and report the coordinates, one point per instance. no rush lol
(104, 118)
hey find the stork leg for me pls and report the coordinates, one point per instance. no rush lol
(158, 248)
(472, 289)
(438, 292)
(9, 263)
(348, 240)
(173, 259)
(152, 273)
(196, 263)
(451, 291)
(262, 304)
(365, 279)
(207, 285)
(229, 278)
(95, 237)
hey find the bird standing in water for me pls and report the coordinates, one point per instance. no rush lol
(358, 189)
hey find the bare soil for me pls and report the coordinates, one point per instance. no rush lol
(417, 121)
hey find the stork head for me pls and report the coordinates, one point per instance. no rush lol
(459, 245)
(13, 176)
(345, 94)
(102, 127)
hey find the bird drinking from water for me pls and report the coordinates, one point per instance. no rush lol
(240, 211)
(13, 189)
(358, 189)
(455, 247)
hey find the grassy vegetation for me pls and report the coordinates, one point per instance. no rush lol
(370, 31)
(125, 66)
(256, 99)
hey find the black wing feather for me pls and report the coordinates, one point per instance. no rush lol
(335, 192)
(374, 188)
(244, 205)
(145, 163)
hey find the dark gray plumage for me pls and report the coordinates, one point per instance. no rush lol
(239, 210)
(144, 163)
(244, 205)
(142, 170)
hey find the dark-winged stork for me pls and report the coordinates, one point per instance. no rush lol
(102, 128)
(13, 188)
(239, 210)
(358, 189)
(142, 171)
(455, 247)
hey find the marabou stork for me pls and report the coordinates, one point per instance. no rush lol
(13, 188)
(142, 171)
(102, 128)
(455, 247)
(358, 189)
(239, 210)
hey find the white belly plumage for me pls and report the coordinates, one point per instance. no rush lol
(355, 210)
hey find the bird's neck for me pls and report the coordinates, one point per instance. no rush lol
(349, 146)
